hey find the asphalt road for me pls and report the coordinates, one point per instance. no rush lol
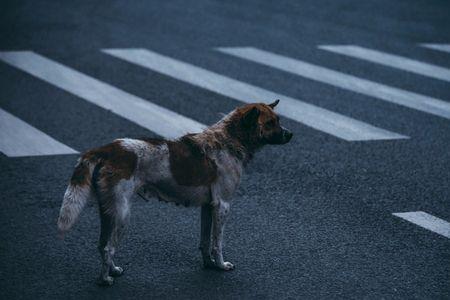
(312, 219)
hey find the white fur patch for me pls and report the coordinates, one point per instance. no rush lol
(74, 200)
(136, 146)
(124, 190)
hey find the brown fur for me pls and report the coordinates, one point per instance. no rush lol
(80, 175)
(113, 162)
(189, 164)
(244, 136)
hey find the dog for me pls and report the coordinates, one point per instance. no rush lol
(200, 169)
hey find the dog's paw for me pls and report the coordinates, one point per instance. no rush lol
(105, 281)
(227, 266)
(115, 271)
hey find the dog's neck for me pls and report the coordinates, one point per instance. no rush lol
(229, 134)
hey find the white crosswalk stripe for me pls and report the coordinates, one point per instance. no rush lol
(439, 47)
(321, 119)
(144, 113)
(390, 60)
(427, 221)
(380, 91)
(17, 139)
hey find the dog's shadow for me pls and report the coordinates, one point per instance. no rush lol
(200, 282)
(196, 283)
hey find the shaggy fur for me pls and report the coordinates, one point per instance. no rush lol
(201, 169)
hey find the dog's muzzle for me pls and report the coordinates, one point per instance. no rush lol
(281, 137)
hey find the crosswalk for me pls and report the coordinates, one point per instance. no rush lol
(19, 139)
(426, 221)
(170, 124)
(355, 84)
(313, 116)
(142, 112)
(439, 47)
(391, 60)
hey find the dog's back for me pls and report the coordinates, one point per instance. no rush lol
(174, 171)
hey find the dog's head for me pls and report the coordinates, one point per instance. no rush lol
(260, 125)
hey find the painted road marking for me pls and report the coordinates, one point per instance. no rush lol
(439, 47)
(377, 90)
(144, 113)
(18, 139)
(318, 118)
(390, 60)
(427, 221)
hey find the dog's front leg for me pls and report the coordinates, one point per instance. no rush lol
(205, 236)
(220, 211)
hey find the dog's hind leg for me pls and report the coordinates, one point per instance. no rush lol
(105, 248)
(112, 230)
(114, 214)
(205, 235)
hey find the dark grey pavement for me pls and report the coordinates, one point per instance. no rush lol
(312, 219)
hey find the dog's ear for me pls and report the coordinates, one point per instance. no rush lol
(250, 117)
(272, 105)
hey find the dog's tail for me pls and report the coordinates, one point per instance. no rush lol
(77, 194)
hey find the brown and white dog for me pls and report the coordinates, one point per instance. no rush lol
(201, 169)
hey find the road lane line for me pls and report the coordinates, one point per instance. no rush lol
(318, 118)
(390, 60)
(377, 90)
(144, 113)
(427, 221)
(18, 139)
(439, 47)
